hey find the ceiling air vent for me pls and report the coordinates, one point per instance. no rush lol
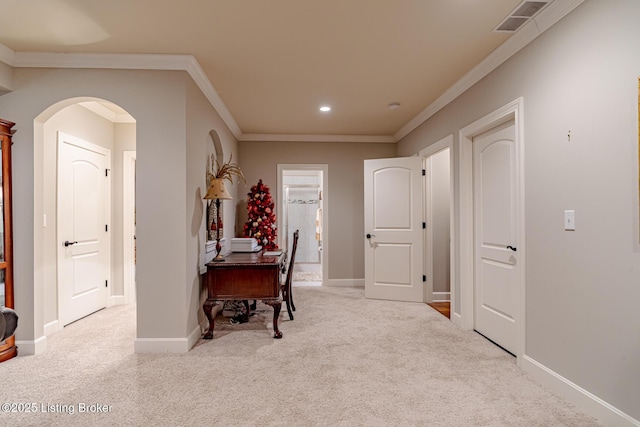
(520, 15)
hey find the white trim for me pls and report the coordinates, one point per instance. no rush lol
(186, 63)
(167, 345)
(115, 300)
(263, 137)
(128, 229)
(551, 14)
(32, 347)
(324, 168)
(441, 296)
(586, 401)
(514, 110)
(52, 327)
(344, 283)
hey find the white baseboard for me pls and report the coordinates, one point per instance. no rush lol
(358, 283)
(52, 327)
(167, 345)
(441, 296)
(586, 401)
(30, 348)
(194, 336)
(161, 345)
(115, 300)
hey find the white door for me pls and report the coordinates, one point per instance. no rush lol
(83, 236)
(496, 231)
(393, 229)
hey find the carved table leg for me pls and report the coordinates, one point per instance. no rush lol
(207, 307)
(276, 313)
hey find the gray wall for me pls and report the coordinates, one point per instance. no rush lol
(345, 195)
(582, 287)
(169, 175)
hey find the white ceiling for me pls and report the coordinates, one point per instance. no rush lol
(267, 66)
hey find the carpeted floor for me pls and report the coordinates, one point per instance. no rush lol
(343, 361)
(307, 276)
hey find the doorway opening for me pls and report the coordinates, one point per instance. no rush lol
(101, 126)
(302, 206)
(439, 221)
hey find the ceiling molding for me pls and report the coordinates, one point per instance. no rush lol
(551, 14)
(268, 137)
(186, 63)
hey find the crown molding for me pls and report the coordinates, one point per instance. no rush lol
(551, 14)
(186, 63)
(270, 137)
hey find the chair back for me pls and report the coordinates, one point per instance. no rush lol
(292, 258)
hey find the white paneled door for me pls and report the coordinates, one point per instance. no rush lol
(83, 245)
(393, 229)
(496, 231)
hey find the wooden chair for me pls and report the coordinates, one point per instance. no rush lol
(286, 286)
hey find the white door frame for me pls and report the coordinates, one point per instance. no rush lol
(128, 222)
(324, 168)
(443, 144)
(512, 111)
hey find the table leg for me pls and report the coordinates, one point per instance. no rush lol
(276, 313)
(207, 307)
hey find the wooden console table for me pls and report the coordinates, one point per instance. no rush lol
(244, 276)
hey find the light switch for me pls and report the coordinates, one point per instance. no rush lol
(570, 220)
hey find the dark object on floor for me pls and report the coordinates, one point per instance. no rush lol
(8, 322)
(240, 318)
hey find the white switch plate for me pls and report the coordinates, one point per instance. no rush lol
(570, 220)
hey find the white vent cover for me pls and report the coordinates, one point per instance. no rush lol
(520, 15)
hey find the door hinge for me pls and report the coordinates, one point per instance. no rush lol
(424, 277)
(106, 172)
(424, 225)
(424, 172)
(106, 227)
(106, 283)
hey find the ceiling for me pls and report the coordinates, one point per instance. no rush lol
(270, 65)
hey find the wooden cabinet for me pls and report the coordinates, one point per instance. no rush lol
(8, 348)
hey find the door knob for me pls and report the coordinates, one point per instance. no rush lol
(512, 248)
(68, 243)
(370, 235)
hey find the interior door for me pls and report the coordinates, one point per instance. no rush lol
(496, 231)
(83, 257)
(393, 229)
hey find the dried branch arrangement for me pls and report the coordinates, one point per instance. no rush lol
(225, 171)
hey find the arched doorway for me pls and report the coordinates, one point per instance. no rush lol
(101, 124)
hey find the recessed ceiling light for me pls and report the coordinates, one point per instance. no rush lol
(325, 108)
(394, 106)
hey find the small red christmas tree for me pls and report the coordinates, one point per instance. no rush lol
(261, 223)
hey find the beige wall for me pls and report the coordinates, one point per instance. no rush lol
(345, 194)
(200, 122)
(582, 287)
(167, 263)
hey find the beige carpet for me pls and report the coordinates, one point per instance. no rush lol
(343, 361)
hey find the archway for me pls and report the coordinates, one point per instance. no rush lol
(104, 124)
